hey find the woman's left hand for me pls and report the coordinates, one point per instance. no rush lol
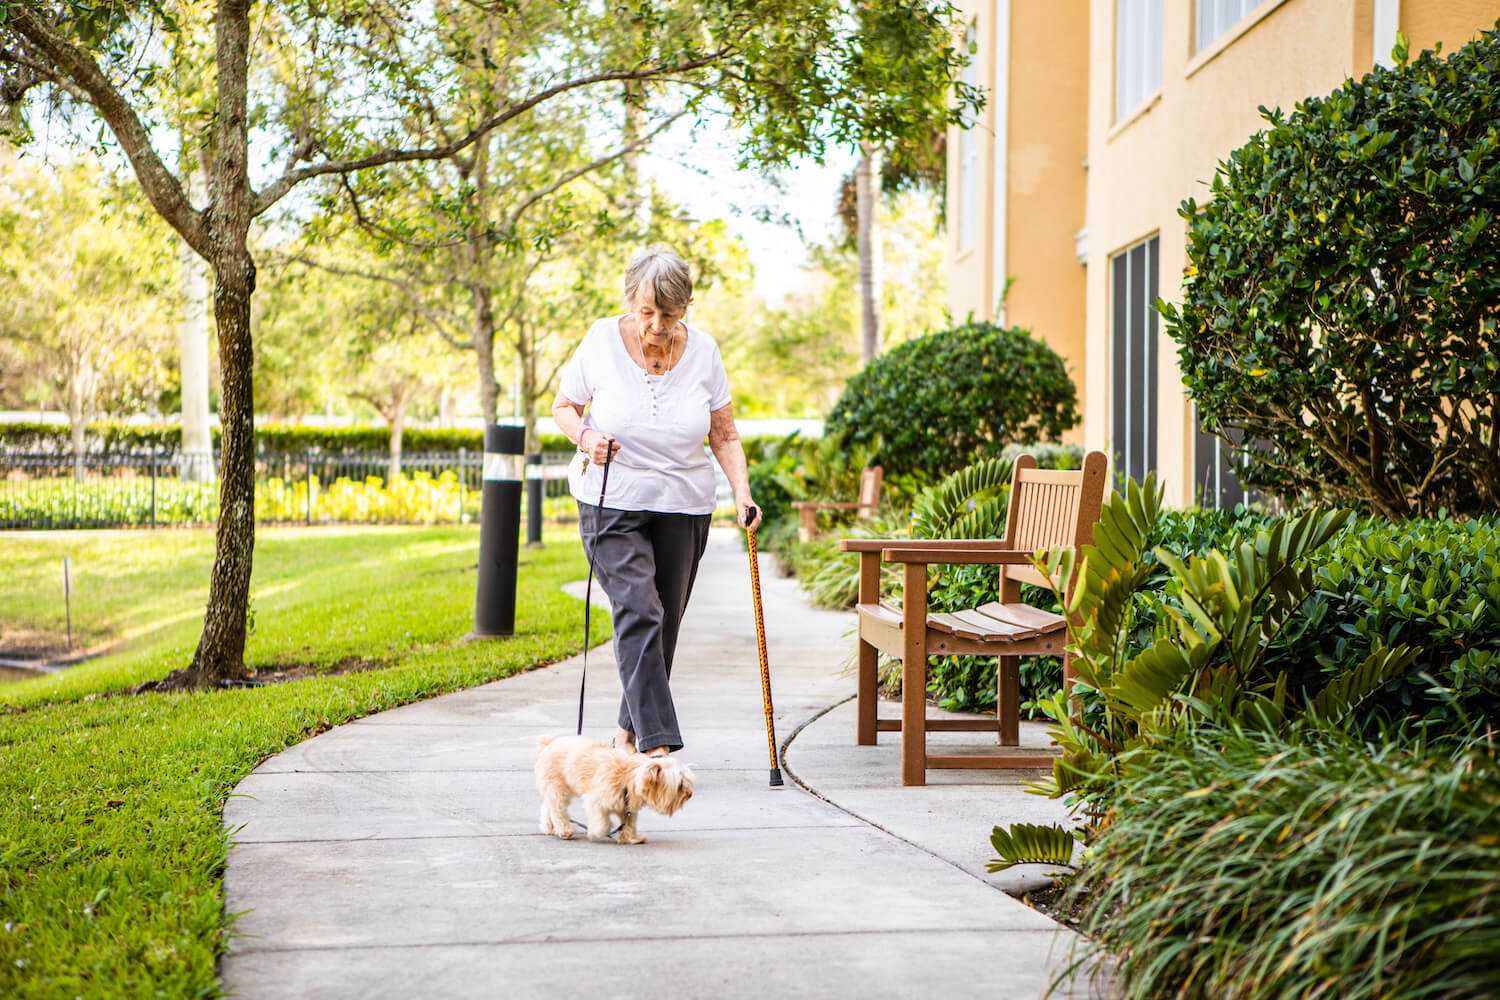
(742, 506)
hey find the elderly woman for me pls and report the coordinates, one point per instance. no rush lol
(644, 390)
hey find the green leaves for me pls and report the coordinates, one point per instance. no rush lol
(1253, 864)
(941, 401)
(1030, 844)
(1346, 691)
(970, 503)
(1340, 296)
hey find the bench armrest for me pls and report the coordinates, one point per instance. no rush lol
(986, 556)
(924, 544)
(865, 544)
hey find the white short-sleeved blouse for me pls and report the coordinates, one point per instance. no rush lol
(659, 421)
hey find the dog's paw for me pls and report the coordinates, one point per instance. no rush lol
(626, 838)
(564, 830)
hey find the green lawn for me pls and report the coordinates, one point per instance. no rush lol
(112, 849)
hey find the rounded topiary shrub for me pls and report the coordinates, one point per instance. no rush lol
(938, 403)
(1343, 292)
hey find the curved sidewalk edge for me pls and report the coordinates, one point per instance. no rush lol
(398, 856)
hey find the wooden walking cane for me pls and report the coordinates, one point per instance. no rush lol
(760, 641)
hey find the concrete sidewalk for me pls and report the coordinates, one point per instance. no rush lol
(398, 856)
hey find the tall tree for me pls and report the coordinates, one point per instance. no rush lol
(797, 73)
(84, 290)
(871, 282)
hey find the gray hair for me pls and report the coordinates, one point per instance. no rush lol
(665, 272)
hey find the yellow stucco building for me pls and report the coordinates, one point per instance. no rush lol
(1102, 118)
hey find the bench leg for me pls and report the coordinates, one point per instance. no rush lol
(913, 719)
(865, 702)
(1008, 701)
(807, 524)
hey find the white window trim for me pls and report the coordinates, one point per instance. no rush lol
(966, 211)
(1124, 123)
(1114, 96)
(1001, 98)
(1387, 22)
(1203, 57)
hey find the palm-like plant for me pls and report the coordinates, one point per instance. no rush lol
(1203, 663)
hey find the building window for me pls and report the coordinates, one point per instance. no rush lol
(968, 155)
(1137, 54)
(1133, 338)
(1217, 16)
(1215, 481)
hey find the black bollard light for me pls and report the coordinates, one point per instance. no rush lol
(499, 532)
(534, 499)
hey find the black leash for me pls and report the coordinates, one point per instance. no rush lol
(588, 591)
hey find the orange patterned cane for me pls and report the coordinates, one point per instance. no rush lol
(760, 641)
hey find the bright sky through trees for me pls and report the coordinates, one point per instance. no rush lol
(695, 163)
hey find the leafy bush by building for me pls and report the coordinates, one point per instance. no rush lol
(1343, 292)
(1433, 585)
(939, 402)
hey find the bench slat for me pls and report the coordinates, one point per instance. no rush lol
(1025, 615)
(972, 625)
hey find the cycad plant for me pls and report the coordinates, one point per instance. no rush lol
(970, 503)
(1202, 662)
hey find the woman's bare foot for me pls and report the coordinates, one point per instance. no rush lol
(624, 739)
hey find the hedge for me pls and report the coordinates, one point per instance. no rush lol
(109, 437)
(937, 403)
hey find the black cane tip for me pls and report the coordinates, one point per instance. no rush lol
(776, 781)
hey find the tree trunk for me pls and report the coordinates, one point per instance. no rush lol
(526, 377)
(197, 443)
(871, 281)
(484, 352)
(220, 656)
(78, 421)
(397, 420)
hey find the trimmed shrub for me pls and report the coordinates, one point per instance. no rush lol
(1432, 585)
(937, 403)
(1342, 301)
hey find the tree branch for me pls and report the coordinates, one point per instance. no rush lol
(370, 225)
(278, 189)
(160, 184)
(15, 90)
(587, 168)
(441, 321)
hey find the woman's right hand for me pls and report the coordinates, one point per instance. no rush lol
(598, 448)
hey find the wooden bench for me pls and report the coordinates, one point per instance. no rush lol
(1048, 508)
(864, 507)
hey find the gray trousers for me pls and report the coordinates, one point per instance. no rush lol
(646, 562)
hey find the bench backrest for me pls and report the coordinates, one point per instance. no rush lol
(869, 491)
(1053, 507)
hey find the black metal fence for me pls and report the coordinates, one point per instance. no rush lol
(157, 489)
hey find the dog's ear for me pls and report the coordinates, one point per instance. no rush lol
(647, 777)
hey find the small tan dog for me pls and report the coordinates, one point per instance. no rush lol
(611, 783)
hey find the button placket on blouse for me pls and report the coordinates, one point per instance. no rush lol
(651, 391)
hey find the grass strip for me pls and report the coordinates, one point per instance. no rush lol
(113, 847)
